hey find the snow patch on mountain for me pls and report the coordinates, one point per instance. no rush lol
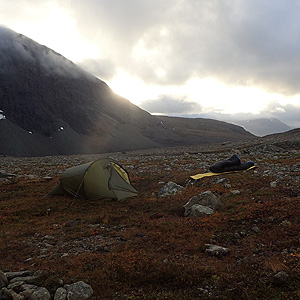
(2, 116)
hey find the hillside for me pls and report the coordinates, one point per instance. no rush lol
(144, 247)
(50, 106)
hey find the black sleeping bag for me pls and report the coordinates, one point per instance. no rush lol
(231, 164)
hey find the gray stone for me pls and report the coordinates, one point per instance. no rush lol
(79, 291)
(217, 251)
(41, 293)
(28, 289)
(3, 280)
(170, 189)
(198, 210)
(26, 279)
(16, 286)
(273, 184)
(256, 229)
(281, 277)
(235, 192)
(16, 296)
(5, 294)
(206, 199)
(60, 294)
(11, 275)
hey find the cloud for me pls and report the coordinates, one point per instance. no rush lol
(238, 42)
(14, 45)
(102, 68)
(249, 43)
(170, 105)
(288, 114)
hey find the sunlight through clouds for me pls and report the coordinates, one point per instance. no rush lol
(213, 53)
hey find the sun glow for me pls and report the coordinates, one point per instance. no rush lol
(56, 30)
(209, 93)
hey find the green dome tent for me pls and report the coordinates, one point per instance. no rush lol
(103, 178)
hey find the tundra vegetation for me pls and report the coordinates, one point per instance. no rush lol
(144, 247)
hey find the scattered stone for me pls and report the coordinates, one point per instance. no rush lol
(206, 199)
(11, 275)
(16, 286)
(285, 223)
(256, 229)
(237, 235)
(20, 288)
(28, 290)
(281, 277)
(170, 189)
(16, 296)
(41, 293)
(198, 210)
(273, 184)
(79, 291)
(5, 294)
(60, 294)
(217, 251)
(235, 192)
(27, 279)
(3, 174)
(3, 280)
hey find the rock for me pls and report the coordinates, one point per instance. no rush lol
(285, 223)
(16, 296)
(28, 290)
(3, 280)
(217, 251)
(281, 277)
(41, 293)
(79, 291)
(5, 294)
(170, 189)
(11, 275)
(198, 210)
(256, 229)
(273, 184)
(60, 294)
(26, 279)
(16, 286)
(206, 199)
(4, 174)
(235, 192)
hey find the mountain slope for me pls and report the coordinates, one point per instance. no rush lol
(51, 106)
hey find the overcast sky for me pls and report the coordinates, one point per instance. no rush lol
(178, 57)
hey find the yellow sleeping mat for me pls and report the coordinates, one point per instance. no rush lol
(199, 176)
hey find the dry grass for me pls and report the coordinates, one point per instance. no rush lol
(143, 247)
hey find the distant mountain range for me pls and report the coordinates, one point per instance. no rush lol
(264, 126)
(50, 106)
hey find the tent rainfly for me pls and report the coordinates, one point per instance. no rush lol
(103, 178)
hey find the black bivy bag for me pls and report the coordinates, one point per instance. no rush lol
(231, 164)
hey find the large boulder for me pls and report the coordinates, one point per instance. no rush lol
(207, 199)
(79, 291)
(170, 189)
(198, 210)
(41, 293)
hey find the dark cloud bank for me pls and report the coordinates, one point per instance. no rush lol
(238, 42)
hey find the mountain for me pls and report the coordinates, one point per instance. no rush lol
(50, 106)
(264, 126)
